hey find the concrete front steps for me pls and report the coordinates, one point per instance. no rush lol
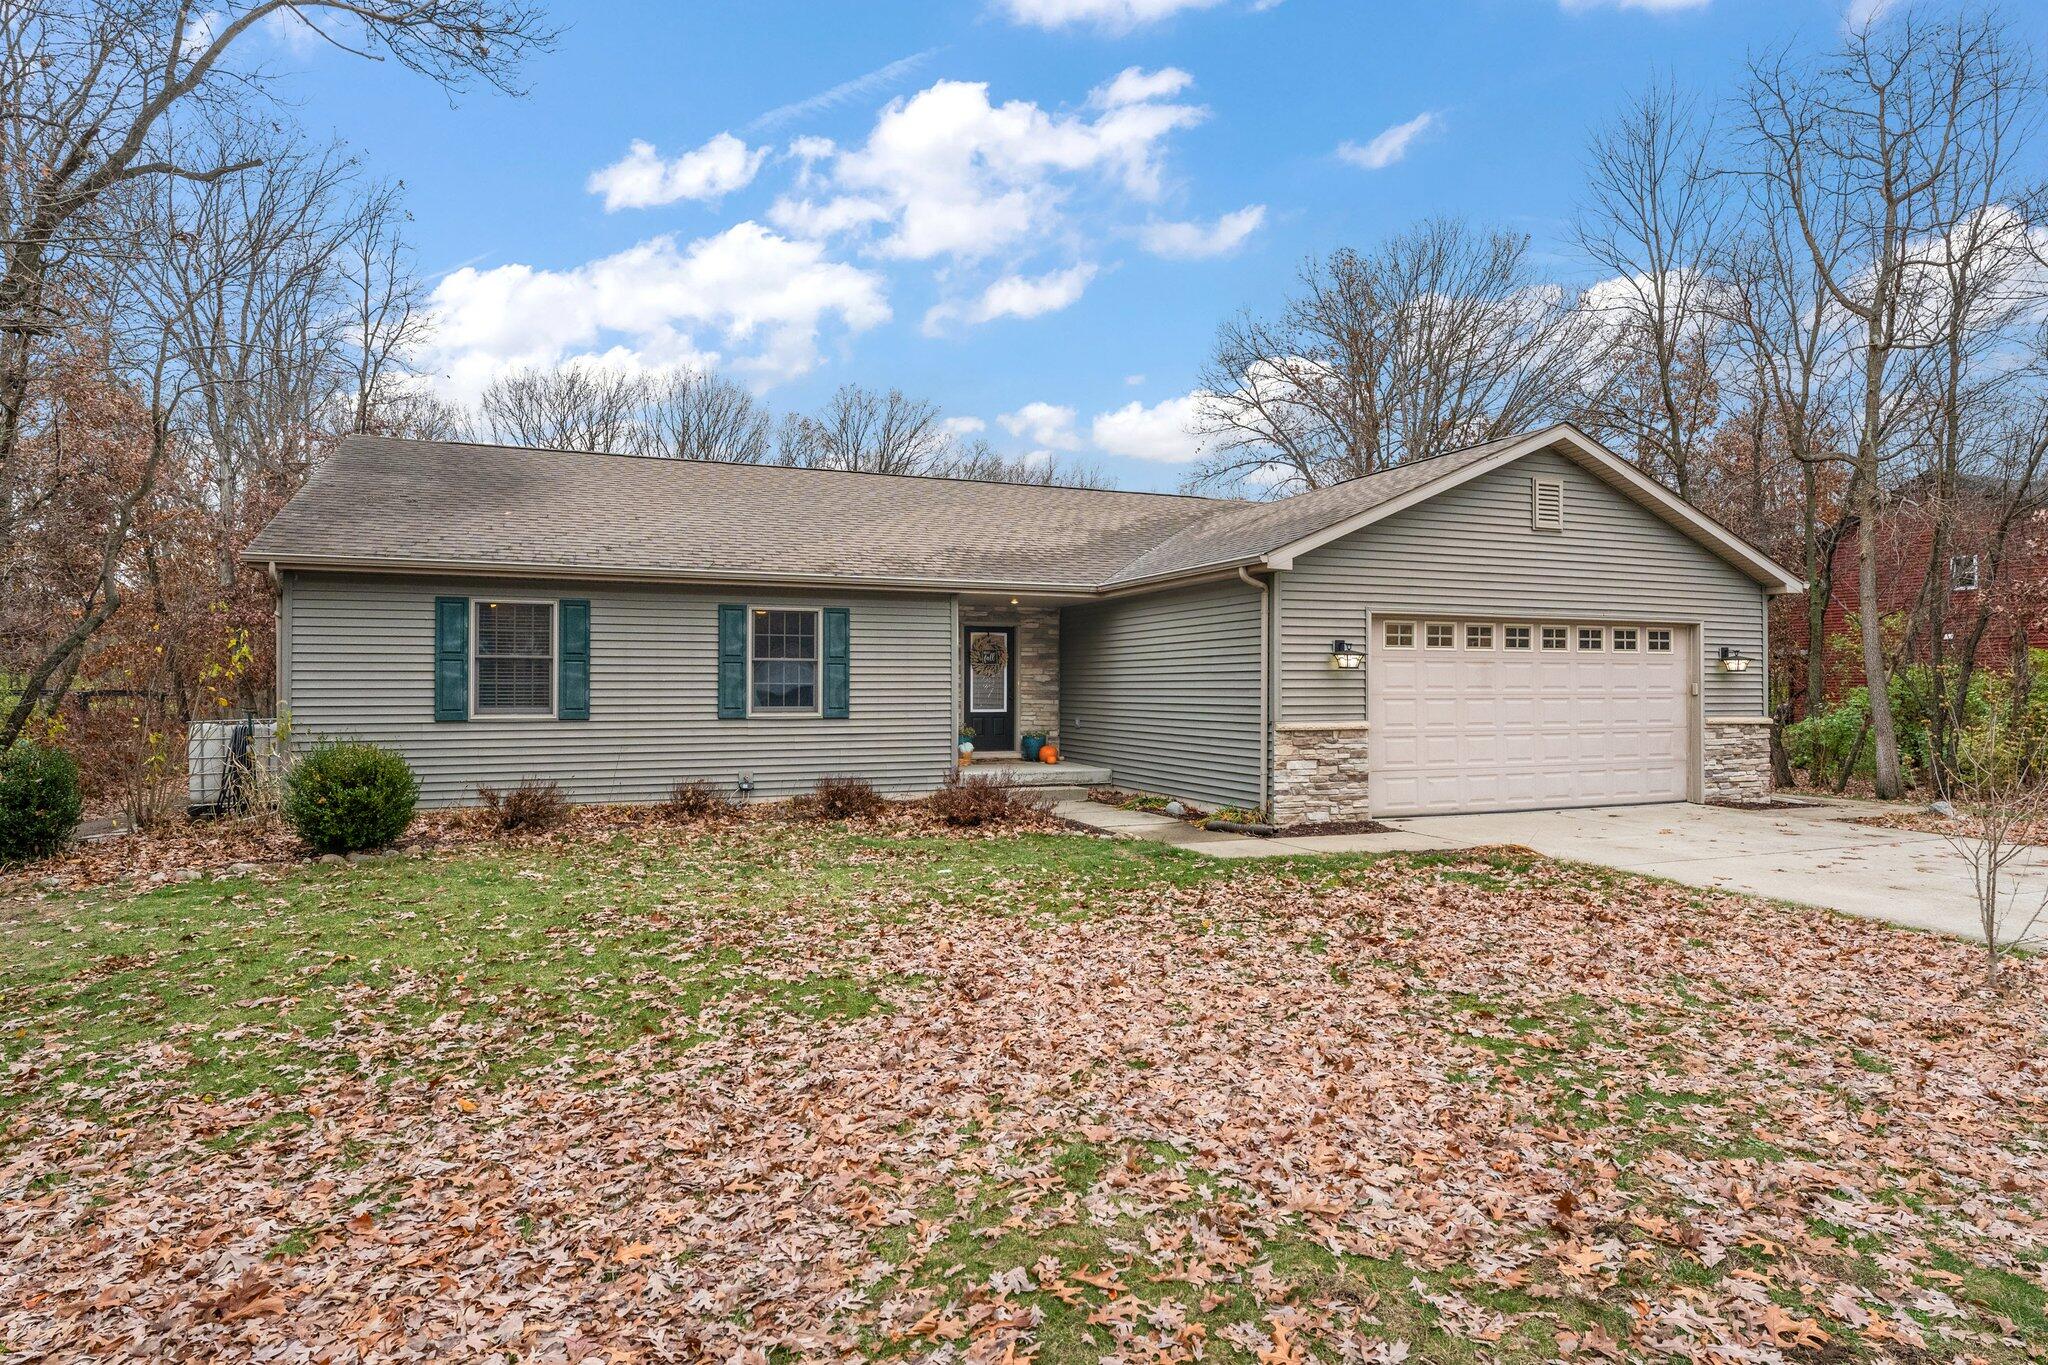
(1061, 781)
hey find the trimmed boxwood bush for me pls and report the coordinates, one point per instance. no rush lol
(39, 802)
(344, 797)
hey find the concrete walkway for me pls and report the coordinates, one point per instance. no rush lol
(1816, 854)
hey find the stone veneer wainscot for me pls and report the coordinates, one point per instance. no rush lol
(1320, 772)
(1738, 759)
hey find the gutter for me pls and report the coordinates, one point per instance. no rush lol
(583, 573)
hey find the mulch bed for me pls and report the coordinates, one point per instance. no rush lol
(1333, 827)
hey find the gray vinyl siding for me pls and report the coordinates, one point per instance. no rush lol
(1163, 690)
(360, 657)
(1471, 550)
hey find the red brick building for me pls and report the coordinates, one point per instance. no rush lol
(2018, 601)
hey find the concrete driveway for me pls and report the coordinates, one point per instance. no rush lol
(1817, 855)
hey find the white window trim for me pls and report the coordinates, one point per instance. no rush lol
(1492, 630)
(1529, 648)
(1387, 626)
(1635, 645)
(1955, 582)
(817, 615)
(554, 606)
(1451, 626)
(1543, 647)
(1579, 639)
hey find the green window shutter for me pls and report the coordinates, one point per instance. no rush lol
(838, 673)
(732, 662)
(572, 664)
(451, 658)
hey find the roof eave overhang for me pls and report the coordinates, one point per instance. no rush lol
(283, 560)
(1774, 577)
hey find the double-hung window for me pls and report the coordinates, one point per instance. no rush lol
(785, 660)
(1962, 573)
(515, 658)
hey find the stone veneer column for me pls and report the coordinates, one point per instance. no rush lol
(1738, 759)
(1038, 672)
(1319, 772)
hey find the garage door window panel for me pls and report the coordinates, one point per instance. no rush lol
(1440, 635)
(1400, 635)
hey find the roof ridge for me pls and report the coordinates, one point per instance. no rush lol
(797, 469)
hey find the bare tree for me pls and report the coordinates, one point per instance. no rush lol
(387, 314)
(979, 460)
(98, 103)
(697, 415)
(1439, 338)
(1872, 139)
(577, 406)
(1795, 350)
(2002, 817)
(864, 429)
(1652, 218)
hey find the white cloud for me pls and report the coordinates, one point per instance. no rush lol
(641, 179)
(1164, 432)
(809, 218)
(1193, 241)
(1653, 6)
(964, 178)
(1112, 16)
(762, 296)
(1390, 146)
(1046, 425)
(1859, 15)
(1015, 296)
(963, 426)
(1135, 85)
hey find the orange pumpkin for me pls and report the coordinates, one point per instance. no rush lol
(1048, 754)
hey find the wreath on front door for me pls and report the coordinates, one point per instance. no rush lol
(988, 655)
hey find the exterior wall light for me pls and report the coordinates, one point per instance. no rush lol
(1342, 655)
(1733, 660)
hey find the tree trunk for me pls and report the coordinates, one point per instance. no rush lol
(1820, 584)
(1884, 737)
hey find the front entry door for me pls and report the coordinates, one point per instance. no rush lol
(990, 705)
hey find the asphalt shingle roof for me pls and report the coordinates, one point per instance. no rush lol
(455, 505)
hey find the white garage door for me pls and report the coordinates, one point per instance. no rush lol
(1503, 714)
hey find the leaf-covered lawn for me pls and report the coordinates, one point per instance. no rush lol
(791, 1093)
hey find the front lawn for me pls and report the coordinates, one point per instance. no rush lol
(773, 1091)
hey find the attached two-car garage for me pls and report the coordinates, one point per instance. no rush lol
(1504, 713)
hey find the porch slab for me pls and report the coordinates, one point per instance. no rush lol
(1024, 774)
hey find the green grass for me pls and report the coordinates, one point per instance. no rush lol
(560, 956)
(500, 963)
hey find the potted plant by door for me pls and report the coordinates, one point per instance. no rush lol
(1029, 746)
(967, 744)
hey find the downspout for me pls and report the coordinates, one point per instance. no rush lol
(1265, 592)
(277, 688)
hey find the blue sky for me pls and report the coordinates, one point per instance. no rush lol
(1033, 212)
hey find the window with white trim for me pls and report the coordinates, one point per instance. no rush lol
(784, 659)
(1962, 573)
(1625, 639)
(1515, 637)
(1400, 635)
(514, 658)
(1439, 635)
(1657, 641)
(1478, 637)
(1592, 639)
(1556, 637)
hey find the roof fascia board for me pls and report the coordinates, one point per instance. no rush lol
(1588, 451)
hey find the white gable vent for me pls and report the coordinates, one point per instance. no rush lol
(1546, 504)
